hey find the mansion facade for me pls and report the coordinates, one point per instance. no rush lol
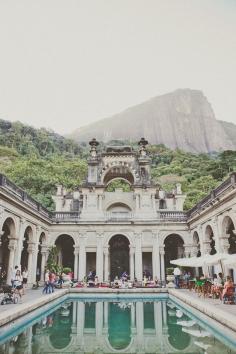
(138, 230)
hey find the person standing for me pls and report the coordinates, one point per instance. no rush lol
(47, 284)
(18, 283)
(177, 273)
(13, 275)
(25, 279)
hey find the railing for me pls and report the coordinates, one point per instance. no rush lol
(215, 193)
(65, 216)
(118, 215)
(178, 216)
(23, 196)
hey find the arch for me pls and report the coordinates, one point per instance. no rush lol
(119, 255)
(8, 232)
(28, 238)
(228, 230)
(209, 238)
(119, 207)
(65, 247)
(174, 248)
(116, 171)
(119, 337)
(196, 244)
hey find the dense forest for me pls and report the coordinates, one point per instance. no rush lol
(38, 159)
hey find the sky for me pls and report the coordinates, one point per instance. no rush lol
(67, 63)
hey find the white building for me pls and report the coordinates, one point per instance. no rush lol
(112, 232)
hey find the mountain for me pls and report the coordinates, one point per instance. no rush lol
(182, 119)
(230, 130)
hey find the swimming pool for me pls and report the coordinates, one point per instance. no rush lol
(112, 324)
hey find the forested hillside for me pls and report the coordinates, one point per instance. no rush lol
(37, 160)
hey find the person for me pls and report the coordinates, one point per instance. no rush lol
(220, 279)
(37, 276)
(25, 279)
(13, 274)
(17, 284)
(52, 277)
(228, 290)
(60, 280)
(46, 288)
(177, 273)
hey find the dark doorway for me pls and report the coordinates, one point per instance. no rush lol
(119, 256)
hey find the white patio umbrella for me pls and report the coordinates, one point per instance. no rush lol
(230, 261)
(189, 323)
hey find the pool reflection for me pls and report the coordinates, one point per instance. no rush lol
(106, 327)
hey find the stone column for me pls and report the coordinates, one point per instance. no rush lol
(153, 202)
(100, 202)
(31, 256)
(82, 258)
(156, 268)
(162, 253)
(215, 230)
(44, 252)
(138, 257)
(21, 233)
(37, 231)
(12, 248)
(131, 262)
(99, 258)
(187, 250)
(106, 265)
(76, 254)
(137, 202)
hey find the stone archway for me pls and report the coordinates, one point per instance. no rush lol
(196, 245)
(8, 232)
(119, 255)
(174, 248)
(209, 240)
(28, 238)
(228, 231)
(65, 247)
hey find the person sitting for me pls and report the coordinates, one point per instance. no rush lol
(116, 282)
(228, 291)
(220, 279)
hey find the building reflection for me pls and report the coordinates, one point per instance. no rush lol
(107, 327)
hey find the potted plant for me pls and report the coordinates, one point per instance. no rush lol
(65, 271)
(170, 277)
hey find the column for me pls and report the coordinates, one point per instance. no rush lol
(156, 269)
(100, 202)
(136, 202)
(106, 264)
(38, 232)
(138, 257)
(76, 254)
(99, 258)
(162, 253)
(31, 256)
(158, 319)
(20, 240)
(106, 304)
(216, 236)
(12, 248)
(164, 316)
(131, 262)
(44, 251)
(153, 202)
(80, 320)
(99, 319)
(82, 258)
(139, 324)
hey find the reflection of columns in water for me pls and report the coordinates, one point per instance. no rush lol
(133, 329)
(131, 260)
(74, 316)
(29, 336)
(99, 319)
(158, 319)
(164, 313)
(106, 304)
(80, 319)
(139, 321)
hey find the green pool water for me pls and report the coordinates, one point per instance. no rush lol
(113, 326)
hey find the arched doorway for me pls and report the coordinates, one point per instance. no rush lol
(229, 231)
(65, 248)
(8, 231)
(118, 172)
(28, 237)
(209, 236)
(174, 248)
(196, 244)
(119, 255)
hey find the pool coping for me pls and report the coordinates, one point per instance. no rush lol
(225, 318)
(221, 316)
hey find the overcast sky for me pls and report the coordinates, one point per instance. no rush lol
(66, 63)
